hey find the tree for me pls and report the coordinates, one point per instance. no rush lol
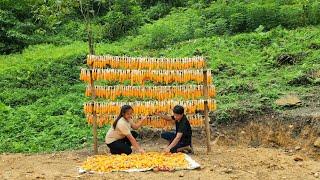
(88, 13)
(15, 26)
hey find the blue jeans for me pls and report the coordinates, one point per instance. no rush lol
(169, 136)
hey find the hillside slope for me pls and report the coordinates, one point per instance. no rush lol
(41, 96)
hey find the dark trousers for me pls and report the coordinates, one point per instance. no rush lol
(169, 136)
(122, 146)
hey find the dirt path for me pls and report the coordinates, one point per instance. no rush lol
(223, 163)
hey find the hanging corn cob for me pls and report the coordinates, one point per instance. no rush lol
(147, 107)
(139, 76)
(153, 92)
(139, 70)
(151, 121)
(116, 62)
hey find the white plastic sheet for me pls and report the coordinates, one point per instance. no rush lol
(192, 165)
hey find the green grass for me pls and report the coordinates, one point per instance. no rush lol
(41, 96)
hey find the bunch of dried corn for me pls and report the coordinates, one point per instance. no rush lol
(116, 62)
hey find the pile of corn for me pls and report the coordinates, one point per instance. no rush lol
(109, 163)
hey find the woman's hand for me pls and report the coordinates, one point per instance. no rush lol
(141, 122)
(166, 150)
(137, 125)
(140, 150)
(143, 118)
(163, 116)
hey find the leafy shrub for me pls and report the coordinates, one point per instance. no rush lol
(246, 17)
(158, 11)
(220, 27)
(124, 17)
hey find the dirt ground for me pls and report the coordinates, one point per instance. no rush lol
(224, 162)
(271, 147)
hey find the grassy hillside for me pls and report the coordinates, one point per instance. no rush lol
(41, 96)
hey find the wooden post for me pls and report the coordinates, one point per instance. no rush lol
(93, 96)
(90, 38)
(206, 108)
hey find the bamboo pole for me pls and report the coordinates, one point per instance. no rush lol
(206, 108)
(93, 95)
(94, 130)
